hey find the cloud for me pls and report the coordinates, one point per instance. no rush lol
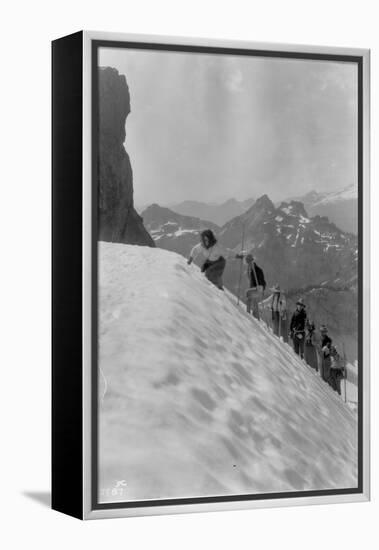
(209, 127)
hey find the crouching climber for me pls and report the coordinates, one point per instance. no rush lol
(297, 328)
(214, 257)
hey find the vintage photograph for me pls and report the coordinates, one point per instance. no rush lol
(228, 331)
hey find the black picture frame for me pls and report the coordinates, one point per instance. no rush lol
(75, 436)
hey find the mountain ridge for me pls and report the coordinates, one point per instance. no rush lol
(339, 206)
(218, 213)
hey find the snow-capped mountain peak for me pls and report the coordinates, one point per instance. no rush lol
(294, 208)
(340, 206)
(263, 203)
(347, 193)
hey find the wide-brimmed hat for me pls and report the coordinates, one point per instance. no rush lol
(300, 302)
(275, 288)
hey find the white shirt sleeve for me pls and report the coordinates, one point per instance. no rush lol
(197, 249)
(212, 253)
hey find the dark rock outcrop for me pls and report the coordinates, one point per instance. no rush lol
(118, 220)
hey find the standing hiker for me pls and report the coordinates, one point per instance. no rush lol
(337, 371)
(214, 256)
(324, 340)
(310, 352)
(297, 328)
(276, 303)
(278, 309)
(326, 360)
(257, 283)
(283, 327)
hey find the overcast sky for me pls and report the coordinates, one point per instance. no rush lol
(211, 127)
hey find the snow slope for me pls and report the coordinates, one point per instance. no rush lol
(196, 398)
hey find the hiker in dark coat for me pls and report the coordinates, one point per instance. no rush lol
(257, 283)
(214, 257)
(297, 328)
(325, 338)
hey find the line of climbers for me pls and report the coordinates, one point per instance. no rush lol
(316, 350)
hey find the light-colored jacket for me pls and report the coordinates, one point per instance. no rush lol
(276, 302)
(213, 253)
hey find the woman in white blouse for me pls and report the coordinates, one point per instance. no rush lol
(214, 257)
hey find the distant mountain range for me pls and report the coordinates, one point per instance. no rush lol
(307, 256)
(341, 206)
(216, 213)
(297, 250)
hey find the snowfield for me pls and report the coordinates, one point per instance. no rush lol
(196, 398)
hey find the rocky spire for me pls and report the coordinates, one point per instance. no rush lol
(118, 220)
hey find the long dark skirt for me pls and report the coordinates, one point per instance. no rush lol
(310, 355)
(283, 329)
(214, 271)
(275, 322)
(325, 373)
(336, 375)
